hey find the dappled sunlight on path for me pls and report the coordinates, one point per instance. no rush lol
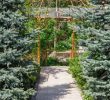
(57, 84)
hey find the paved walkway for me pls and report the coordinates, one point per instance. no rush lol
(57, 84)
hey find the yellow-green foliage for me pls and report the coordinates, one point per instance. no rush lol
(77, 72)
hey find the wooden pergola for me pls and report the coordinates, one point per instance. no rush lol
(66, 19)
(57, 14)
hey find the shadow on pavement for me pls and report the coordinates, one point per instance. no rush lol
(53, 93)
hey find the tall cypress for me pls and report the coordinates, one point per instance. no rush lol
(17, 74)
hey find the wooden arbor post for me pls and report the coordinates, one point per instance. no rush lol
(38, 50)
(39, 43)
(73, 52)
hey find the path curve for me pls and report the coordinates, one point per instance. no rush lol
(57, 84)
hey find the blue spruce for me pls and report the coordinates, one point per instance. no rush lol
(17, 75)
(96, 67)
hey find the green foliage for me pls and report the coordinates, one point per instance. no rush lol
(63, 45)
(47, 34)
(63, 3)
(63, 37)
(87, 97)
(52, 61)
(76, 71)
(17, 75)
(96, 67)
(16, 94)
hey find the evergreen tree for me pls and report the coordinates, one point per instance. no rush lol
(17, 75)
(96, 67)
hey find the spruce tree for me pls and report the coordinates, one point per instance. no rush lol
(17, 75)
(96, 67)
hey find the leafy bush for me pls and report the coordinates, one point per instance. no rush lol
(77, 72)
(52, 61)
(63, 45)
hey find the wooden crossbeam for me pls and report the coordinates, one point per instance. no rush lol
(67, 19)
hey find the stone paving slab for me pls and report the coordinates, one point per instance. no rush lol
(57, 84)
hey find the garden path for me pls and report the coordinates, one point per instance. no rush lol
(57, 84)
